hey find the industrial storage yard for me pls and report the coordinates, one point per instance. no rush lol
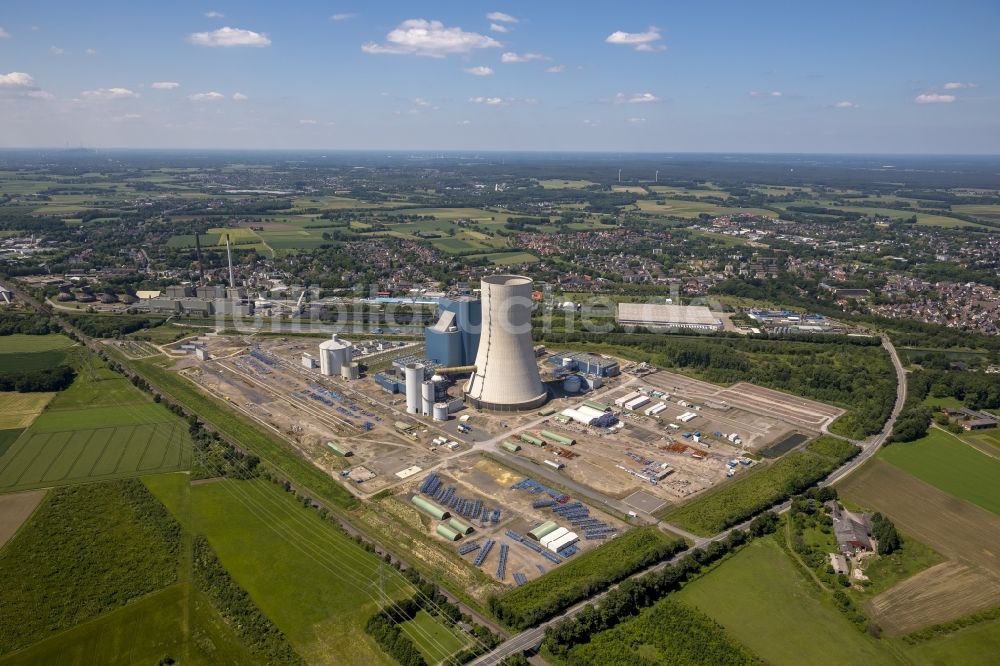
(529, 469)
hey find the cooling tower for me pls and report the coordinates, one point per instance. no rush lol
(506, 376)
(414, 373)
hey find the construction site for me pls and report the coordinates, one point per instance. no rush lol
(515, 456)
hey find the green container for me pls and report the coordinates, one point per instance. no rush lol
(510, 446)
(568, 441)
(430, 508)
(459, 526)
(448, 533)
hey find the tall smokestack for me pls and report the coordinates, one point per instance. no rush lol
(506, 376)
(232, 283)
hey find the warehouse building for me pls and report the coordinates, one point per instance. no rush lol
(587, 363)
(652, 315)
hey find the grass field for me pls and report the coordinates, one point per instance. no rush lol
(86, 550)
(18, 410)
(766, 604)
(175, 622)
(683, 208)
(559, 184)
(23, 353)
(99, 428)
(978, 645)
(434, 640)
(313, 582)
(946, 462)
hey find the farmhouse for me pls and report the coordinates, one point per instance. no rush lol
(852, 530)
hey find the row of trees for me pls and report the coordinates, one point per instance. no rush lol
(38, 381)
(635, 594)
(255, 630)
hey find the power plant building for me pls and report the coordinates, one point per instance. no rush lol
(454, 339)
(506, 376)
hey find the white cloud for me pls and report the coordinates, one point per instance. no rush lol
(522, 57)
(103, 94)
(210, 96)
(501, 17)
(420, 101)
(16, 80)
(214, 14)
(55, 50)
(308, 121)
(499, 27)
(489, 101)
(845, 105)
(481, 70)
(126, 117)
(640, 41)
(591, 123)
(959, 85)
(556, 69)
(635, 98)
(464, 122)
(345, 16)
(636, 121)
(430, 38)
(4, 34)
(39, 94)
(773, 93)
(229, 37)
(934, 98)
(165, 85)
(90, 52)
(239, 97)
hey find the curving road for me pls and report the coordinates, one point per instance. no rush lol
(530, 639)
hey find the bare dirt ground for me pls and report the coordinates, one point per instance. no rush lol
(15, 508)
(944, 592)
(967, 535)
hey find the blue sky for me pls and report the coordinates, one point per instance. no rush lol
(771, 76)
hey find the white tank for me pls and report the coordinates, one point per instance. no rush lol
(350, 370)
(333, 355)
(506, 376)
(414, 373)
(440, 411)
(427, 398)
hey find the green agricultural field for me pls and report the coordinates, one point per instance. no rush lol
(977, 645)
(457, 245)
(175, 622)
(7, 438)
(18, 410)
(946, 462)
(99, 428)
(434, 640)
(86, 550)
(25, 353)
(682, 208)
(310, 579)
(986, 211)
(764, 602)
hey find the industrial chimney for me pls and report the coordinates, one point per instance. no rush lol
(506, 376)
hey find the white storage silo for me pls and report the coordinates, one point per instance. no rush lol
(334, 354)
(427, 398)
(414, 373)
(440, 411)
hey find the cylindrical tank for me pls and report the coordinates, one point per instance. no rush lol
(572, 384)
(430, 508)
(414, 373)
(506, 376)
(440, 411)
(427, 398)
(333, 355)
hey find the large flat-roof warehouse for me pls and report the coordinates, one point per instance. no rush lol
(668, 316)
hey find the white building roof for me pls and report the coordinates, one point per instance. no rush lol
(654, 314)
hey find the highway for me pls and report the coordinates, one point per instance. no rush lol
(530, 639)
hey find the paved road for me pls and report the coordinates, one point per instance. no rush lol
(532, 638)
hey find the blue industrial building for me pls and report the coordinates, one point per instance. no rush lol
(589, 364)
(454, 339)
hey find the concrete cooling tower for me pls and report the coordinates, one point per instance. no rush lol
(506, 376)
